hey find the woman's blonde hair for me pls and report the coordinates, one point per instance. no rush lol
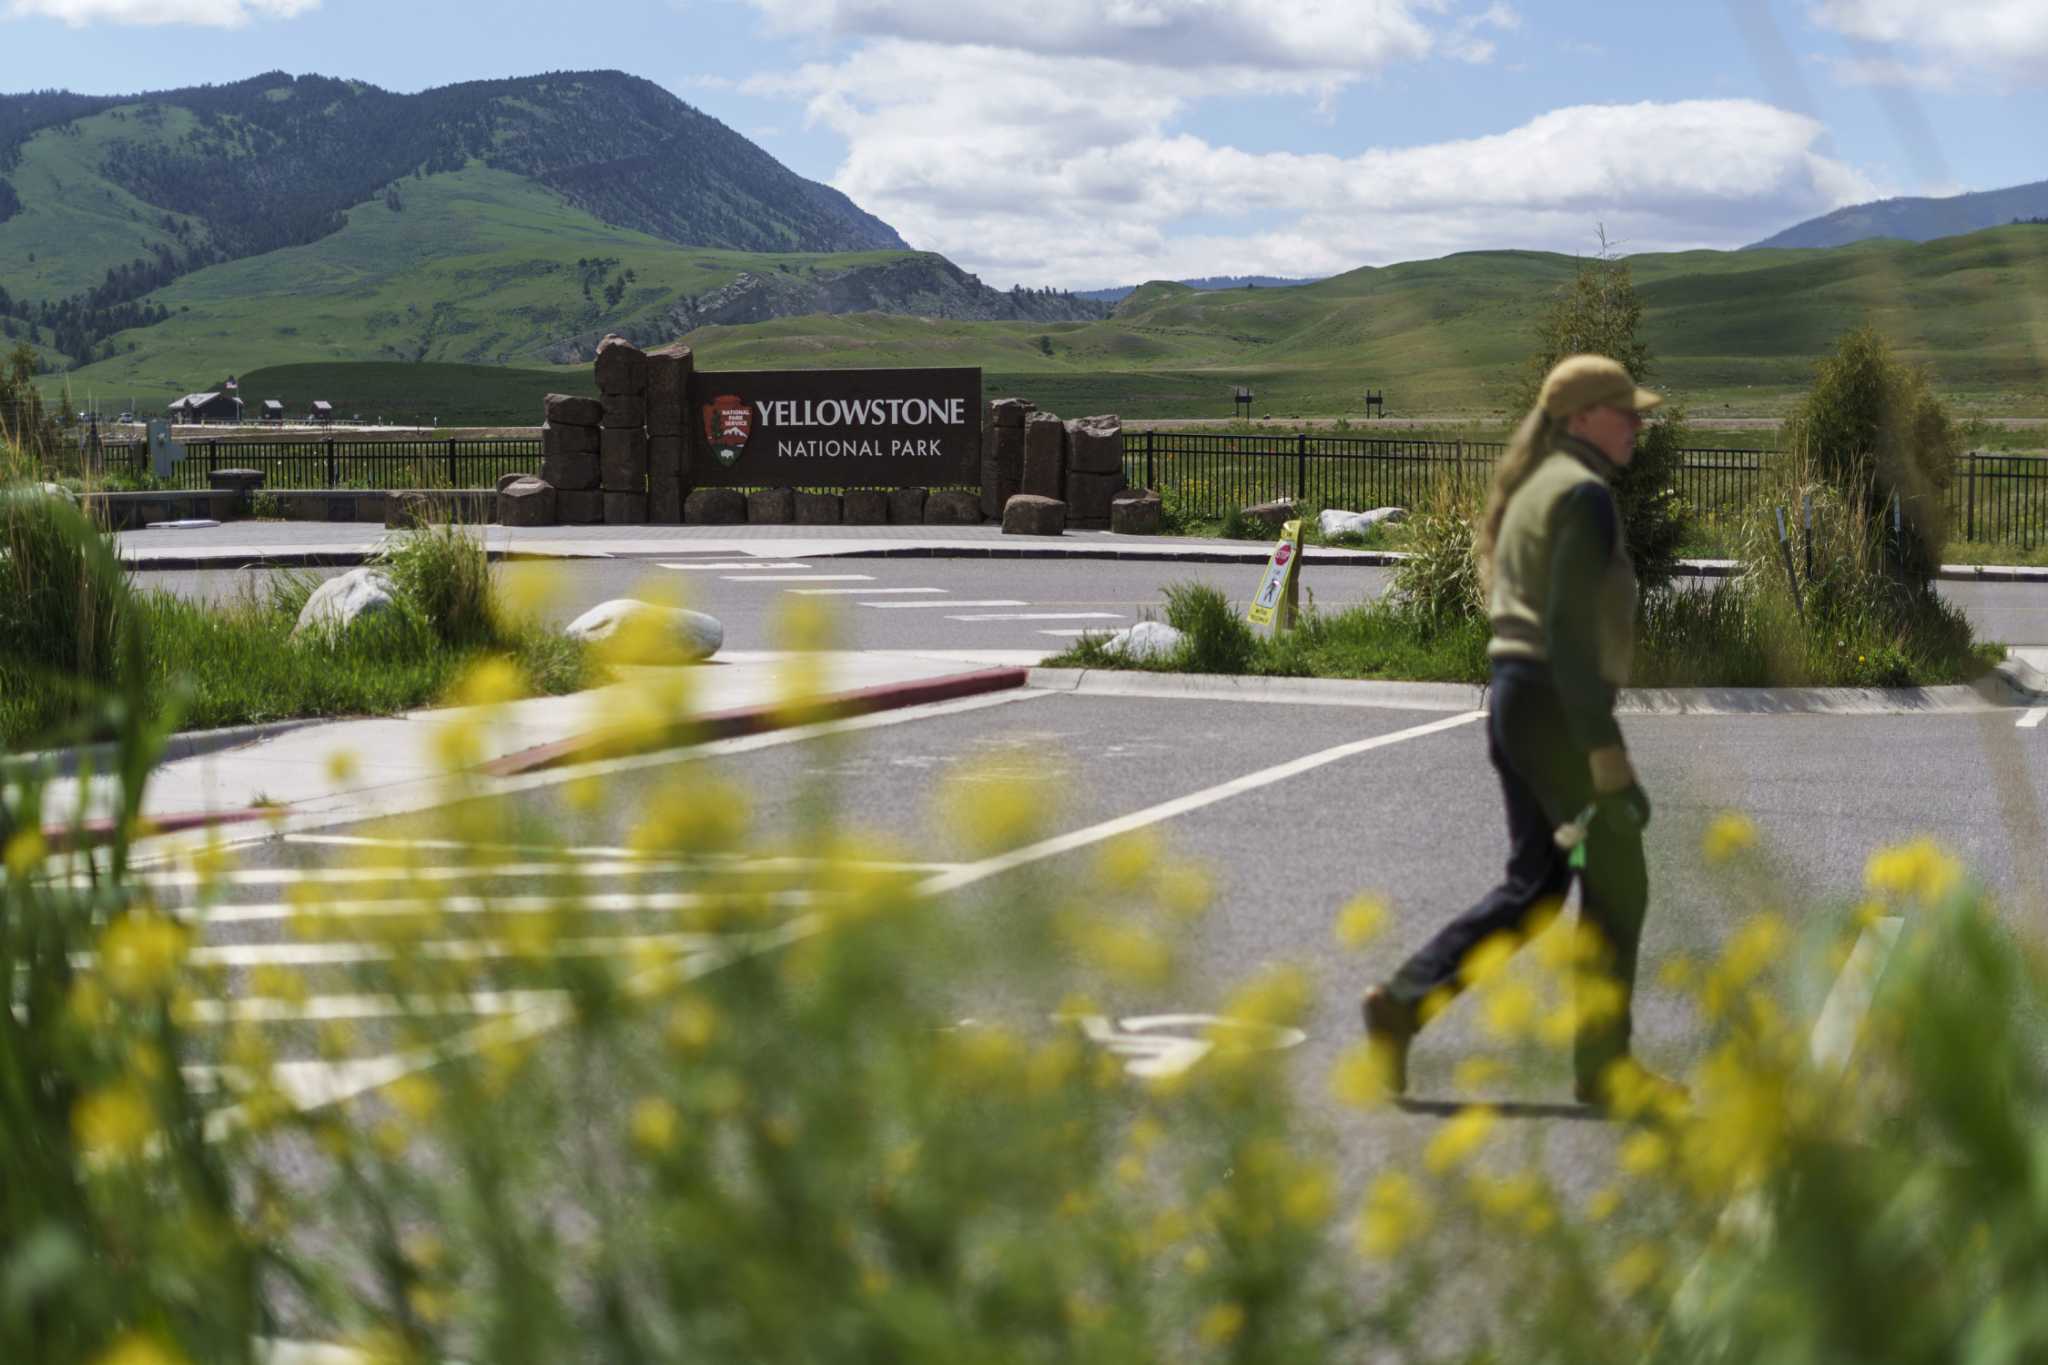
(1531, 442)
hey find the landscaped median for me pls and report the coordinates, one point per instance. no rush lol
(80, 644)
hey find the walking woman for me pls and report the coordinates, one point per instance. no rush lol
(1561, 594)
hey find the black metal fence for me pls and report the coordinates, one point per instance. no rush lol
(1997, 499)
(319, 462)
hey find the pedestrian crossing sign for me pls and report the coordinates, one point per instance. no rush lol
(1275, 602)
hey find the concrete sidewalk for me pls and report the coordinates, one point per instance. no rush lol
(277, 544)
(351, 769)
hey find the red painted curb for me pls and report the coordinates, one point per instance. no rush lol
(62, 838)
(756, 720)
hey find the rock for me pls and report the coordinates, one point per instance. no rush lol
(1089, 495)
(579, 507)
(1146, 640)
(505, 481)
(1274, 514)
(1009, 412)
(668, 373)
(906, 507)
(1096, 445)
(403, 511)
(951, 507)
(665, 456)
(864, 507)
(526, 501)
(715, 507)
(623, 461)
(565, 440)
(664, 502)
(1135, 512)
(817, 509)
(1027, 514)
(621, 367)
(1001, 477)
(625, 509)
(625, 410)
(1336, 522)
(561, 409)
(647, 633)
(1045, 456)
(345, 599)
(771, 507)
(571, 473)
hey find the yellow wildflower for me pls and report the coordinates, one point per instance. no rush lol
(1185, 890)
(137, 1348)
(1460, 1139)
(1637, 1269)
(141, 951)
(1126, 860)
(25, 850)
(1477, 1073)
(1488, 959)
(415, 1096)
(1645, 1152)
(1361, 921)
(1731, 833)
(1395, 1213)
(1309, 1197)
(692, 1023)
(493, 682)
(1221, 1324)
(1921, 869)
(1278, 996)
(655, 1125)
(1509, 1011)
(115, 1122)
(1362, 1076)
(1601, 1205)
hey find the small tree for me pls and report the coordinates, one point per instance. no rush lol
(1874, 429)
(1598, 313)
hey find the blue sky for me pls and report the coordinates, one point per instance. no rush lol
(1089, 142)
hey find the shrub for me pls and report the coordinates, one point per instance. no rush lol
(63, 599)
(446, 572)
(1439, 581)
(1219, 640)
(1872, 429)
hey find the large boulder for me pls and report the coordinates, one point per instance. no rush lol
(505, 481)
(579, 506)
(345, 599)
(666, 456)
(906, 506)
(625, 509)
(715, 507)
(817, 509)
(664, 502)
(1135, 512)
(1334, 521)
(526, 502)
(771, 507)
(567, 410)
(1096, 444)
(1274, 514)
(621, 367)
(1089, 495)
(1030, 515)
(622, 462)
(625, 410)
(864, 507)
(1148, 640)
(1045, 456)
(951, 507)
(1009, 412)
(636, 632)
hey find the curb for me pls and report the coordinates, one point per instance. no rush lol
(2010, 689)
(755, 720)
(1372, 559)
(311, 559)
(185, 744)
(100, 829)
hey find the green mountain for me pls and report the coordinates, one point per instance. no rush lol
(1917, 219)
(105, 200)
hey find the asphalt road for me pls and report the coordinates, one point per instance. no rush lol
(1007, 604)
(1415, 820)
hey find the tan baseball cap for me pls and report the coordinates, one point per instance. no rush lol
(1590, 381)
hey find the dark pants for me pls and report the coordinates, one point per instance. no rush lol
(1545, 782)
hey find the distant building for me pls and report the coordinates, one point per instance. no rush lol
(273, 410)
(323, 411)
(207, 407)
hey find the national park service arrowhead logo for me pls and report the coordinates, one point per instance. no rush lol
(728, 422)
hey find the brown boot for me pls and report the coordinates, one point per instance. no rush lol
(1389, 1027)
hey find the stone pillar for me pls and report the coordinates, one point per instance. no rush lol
(1095, 469)
(622, 372)
(1002, 454)
(570, 437)
(669, 369)
(1045, 456)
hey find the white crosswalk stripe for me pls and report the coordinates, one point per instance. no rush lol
(799, 578)
(859, 592)
(739, 564)
(1043, 616)
(950, 602)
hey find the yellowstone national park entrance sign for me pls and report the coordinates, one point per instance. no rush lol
(835, 428)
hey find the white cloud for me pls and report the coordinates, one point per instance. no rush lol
(205, 13)
(1932, 42)
(1044, 169)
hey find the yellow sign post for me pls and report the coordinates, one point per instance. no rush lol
(1278, 597)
